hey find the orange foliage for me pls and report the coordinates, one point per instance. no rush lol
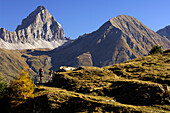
(22, 87)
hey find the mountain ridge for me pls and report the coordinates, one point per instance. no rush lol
(140, 27)
(165, 32)
(39, 25)
(119, 39)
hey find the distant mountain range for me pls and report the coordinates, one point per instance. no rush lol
(165, 32)
(38, 30)
(120, 39)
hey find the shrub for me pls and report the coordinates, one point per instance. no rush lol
(3, 88)
(155, 49)
(22, 88)
(4, 100)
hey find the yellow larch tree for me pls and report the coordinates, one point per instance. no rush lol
(22, 88)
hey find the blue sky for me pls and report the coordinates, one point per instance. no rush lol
(85, 16)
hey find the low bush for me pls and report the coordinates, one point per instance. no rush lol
(4, 101)
(3, 88)
(155, 49)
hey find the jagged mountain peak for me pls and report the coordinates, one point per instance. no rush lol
(38, 10)
(39, 30)
(41, 7)
(39, 14)
(41, 25)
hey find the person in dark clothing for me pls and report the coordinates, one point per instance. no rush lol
(41, 72)
(51, 75)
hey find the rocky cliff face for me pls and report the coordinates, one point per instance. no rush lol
(165, 32)
(38, 30)
(120, 39)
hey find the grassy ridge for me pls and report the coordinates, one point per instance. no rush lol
(139, 85)
(155, 68)
(125, 87)
(57, 100)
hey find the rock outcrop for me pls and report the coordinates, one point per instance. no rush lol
(38, 30)
(120, 39)
(165, 32)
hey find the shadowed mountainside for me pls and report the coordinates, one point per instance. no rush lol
(120, 39)
(165, 32)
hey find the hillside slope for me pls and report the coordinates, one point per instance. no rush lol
(155, 68)
(12, 62)
(139, 85)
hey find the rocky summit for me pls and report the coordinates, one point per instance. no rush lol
(165, 32)
(38, 30)
(120, 39)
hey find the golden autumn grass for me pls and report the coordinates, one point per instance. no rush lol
(139, 85)
(61, 100)
(155, 68)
